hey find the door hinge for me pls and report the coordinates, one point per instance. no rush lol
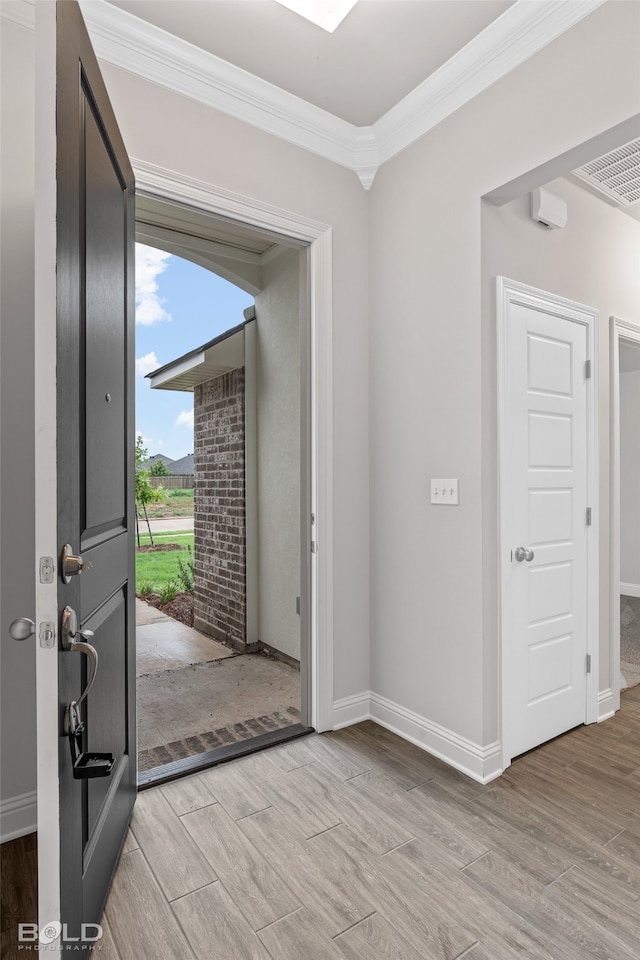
(588, 663)
(314, 546)
(588, 516)
(587, 369)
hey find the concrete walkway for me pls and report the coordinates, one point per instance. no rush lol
(189, 685)
(166, 524)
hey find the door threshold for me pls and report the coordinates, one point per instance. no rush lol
(210, 758)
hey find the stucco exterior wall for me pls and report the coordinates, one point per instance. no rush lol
(278, 454)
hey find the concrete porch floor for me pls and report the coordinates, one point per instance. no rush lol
(192, 688)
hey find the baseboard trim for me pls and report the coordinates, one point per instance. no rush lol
(606, 705)
(18, 816)
(351, 710)
(629, 589)
(480, 763)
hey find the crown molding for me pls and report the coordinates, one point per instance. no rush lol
(139, 47)
(519, 33)
(154, 54)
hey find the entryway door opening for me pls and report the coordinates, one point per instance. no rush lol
(235, 678)
(625, 500)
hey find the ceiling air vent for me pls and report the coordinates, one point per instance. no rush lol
(616, 175)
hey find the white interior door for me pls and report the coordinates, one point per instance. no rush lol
(547, 441)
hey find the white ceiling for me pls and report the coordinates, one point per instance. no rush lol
(380, 52)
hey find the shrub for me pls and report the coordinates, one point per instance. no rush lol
(145, 588)
(186, 571)
(169, 591)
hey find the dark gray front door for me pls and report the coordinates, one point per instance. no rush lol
(95, 415)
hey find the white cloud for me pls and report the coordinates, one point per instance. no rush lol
(185, 419)
(150, 263)
(146, 364)
(149, 442)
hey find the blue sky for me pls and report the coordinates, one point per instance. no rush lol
(178, 307)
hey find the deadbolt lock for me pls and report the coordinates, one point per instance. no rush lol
(71, 565)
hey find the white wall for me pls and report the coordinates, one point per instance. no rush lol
(630, 474)
(17, 660)
(432, 371)
(593, 260)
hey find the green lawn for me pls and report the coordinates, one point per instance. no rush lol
(176, 503)
(158, 568)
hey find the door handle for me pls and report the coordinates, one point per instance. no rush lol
(69, 633)
(72, 565)
(523, 553)
(85, 765)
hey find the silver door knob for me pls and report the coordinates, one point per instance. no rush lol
(22, 628)
(72, 566)
(523, 553)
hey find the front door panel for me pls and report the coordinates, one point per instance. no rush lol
(95, 416)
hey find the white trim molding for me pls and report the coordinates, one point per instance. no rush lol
(511, 293)
(352, 710)
(607, 701)
(629, 589)
(169, 185)
(18, 816)
(515, 36)
(520, 32)
(480, 763)
(133, 44)
(619, 330)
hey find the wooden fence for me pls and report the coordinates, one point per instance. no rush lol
(173, 483)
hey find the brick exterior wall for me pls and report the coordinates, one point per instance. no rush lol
(220, 607)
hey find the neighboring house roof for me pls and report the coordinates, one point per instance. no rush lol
(225, 352)
(182, 467)
(154, 459)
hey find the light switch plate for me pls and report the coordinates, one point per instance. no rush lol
(445, 492)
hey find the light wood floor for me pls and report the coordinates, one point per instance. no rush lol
(357, 845)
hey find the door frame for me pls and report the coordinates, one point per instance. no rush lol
(619, 330)
(508, 293)
(45, 464)
(170, 185)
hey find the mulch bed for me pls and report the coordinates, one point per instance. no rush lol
(180, 608)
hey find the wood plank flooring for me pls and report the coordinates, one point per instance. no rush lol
(356, 845)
